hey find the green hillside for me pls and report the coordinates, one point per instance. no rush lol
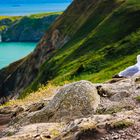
(106, 43)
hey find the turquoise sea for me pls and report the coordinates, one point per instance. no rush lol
(10, 52)
(31, 8)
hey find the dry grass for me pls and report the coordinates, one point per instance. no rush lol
(43, 92)
(87, 126)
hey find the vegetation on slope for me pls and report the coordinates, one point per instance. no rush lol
(40, 15)
(41, 94)
(105, 44)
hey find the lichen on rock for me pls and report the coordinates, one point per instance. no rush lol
(71, 101)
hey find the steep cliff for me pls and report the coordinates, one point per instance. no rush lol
(92, 39)
(26, 28)
(6, 21)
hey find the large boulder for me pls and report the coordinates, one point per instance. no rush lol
(119, 95)
(71, 101)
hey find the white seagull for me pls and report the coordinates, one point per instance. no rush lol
(132, 70)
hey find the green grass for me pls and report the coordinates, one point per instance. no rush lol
(40, 15)
(10, 17)
(106, 43)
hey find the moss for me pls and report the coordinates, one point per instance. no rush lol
(110, 111)
(88, 126)
(55, 133)
(114, 109)
(10, 134)
(122, 124)
(138, 98)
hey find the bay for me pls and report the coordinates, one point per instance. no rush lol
(13, 51)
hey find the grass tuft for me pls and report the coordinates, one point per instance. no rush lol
(122, 124)
(42, 93)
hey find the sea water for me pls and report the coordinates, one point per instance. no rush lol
(13, 51)
(32, 8)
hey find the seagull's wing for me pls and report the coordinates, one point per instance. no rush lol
(130, 71)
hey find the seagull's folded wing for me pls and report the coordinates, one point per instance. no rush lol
(130, 71)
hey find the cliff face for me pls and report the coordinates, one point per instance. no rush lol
(28, 29)
(92, 39)
(5, 23)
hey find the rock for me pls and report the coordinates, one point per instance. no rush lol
(35, 107)
(75, 105)
(4, 119)
(40, 131)
(116, 91)
(54, 130)
(18, 110)
(14, 110)
(6, 110)
(97, 127)
(71, 101)
(119, 95)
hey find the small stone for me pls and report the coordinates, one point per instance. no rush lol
(115, 137)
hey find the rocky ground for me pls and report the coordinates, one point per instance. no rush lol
(78, 111)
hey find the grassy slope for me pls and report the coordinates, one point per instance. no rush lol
(9, 17)
(44, 14)
(101, 48)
